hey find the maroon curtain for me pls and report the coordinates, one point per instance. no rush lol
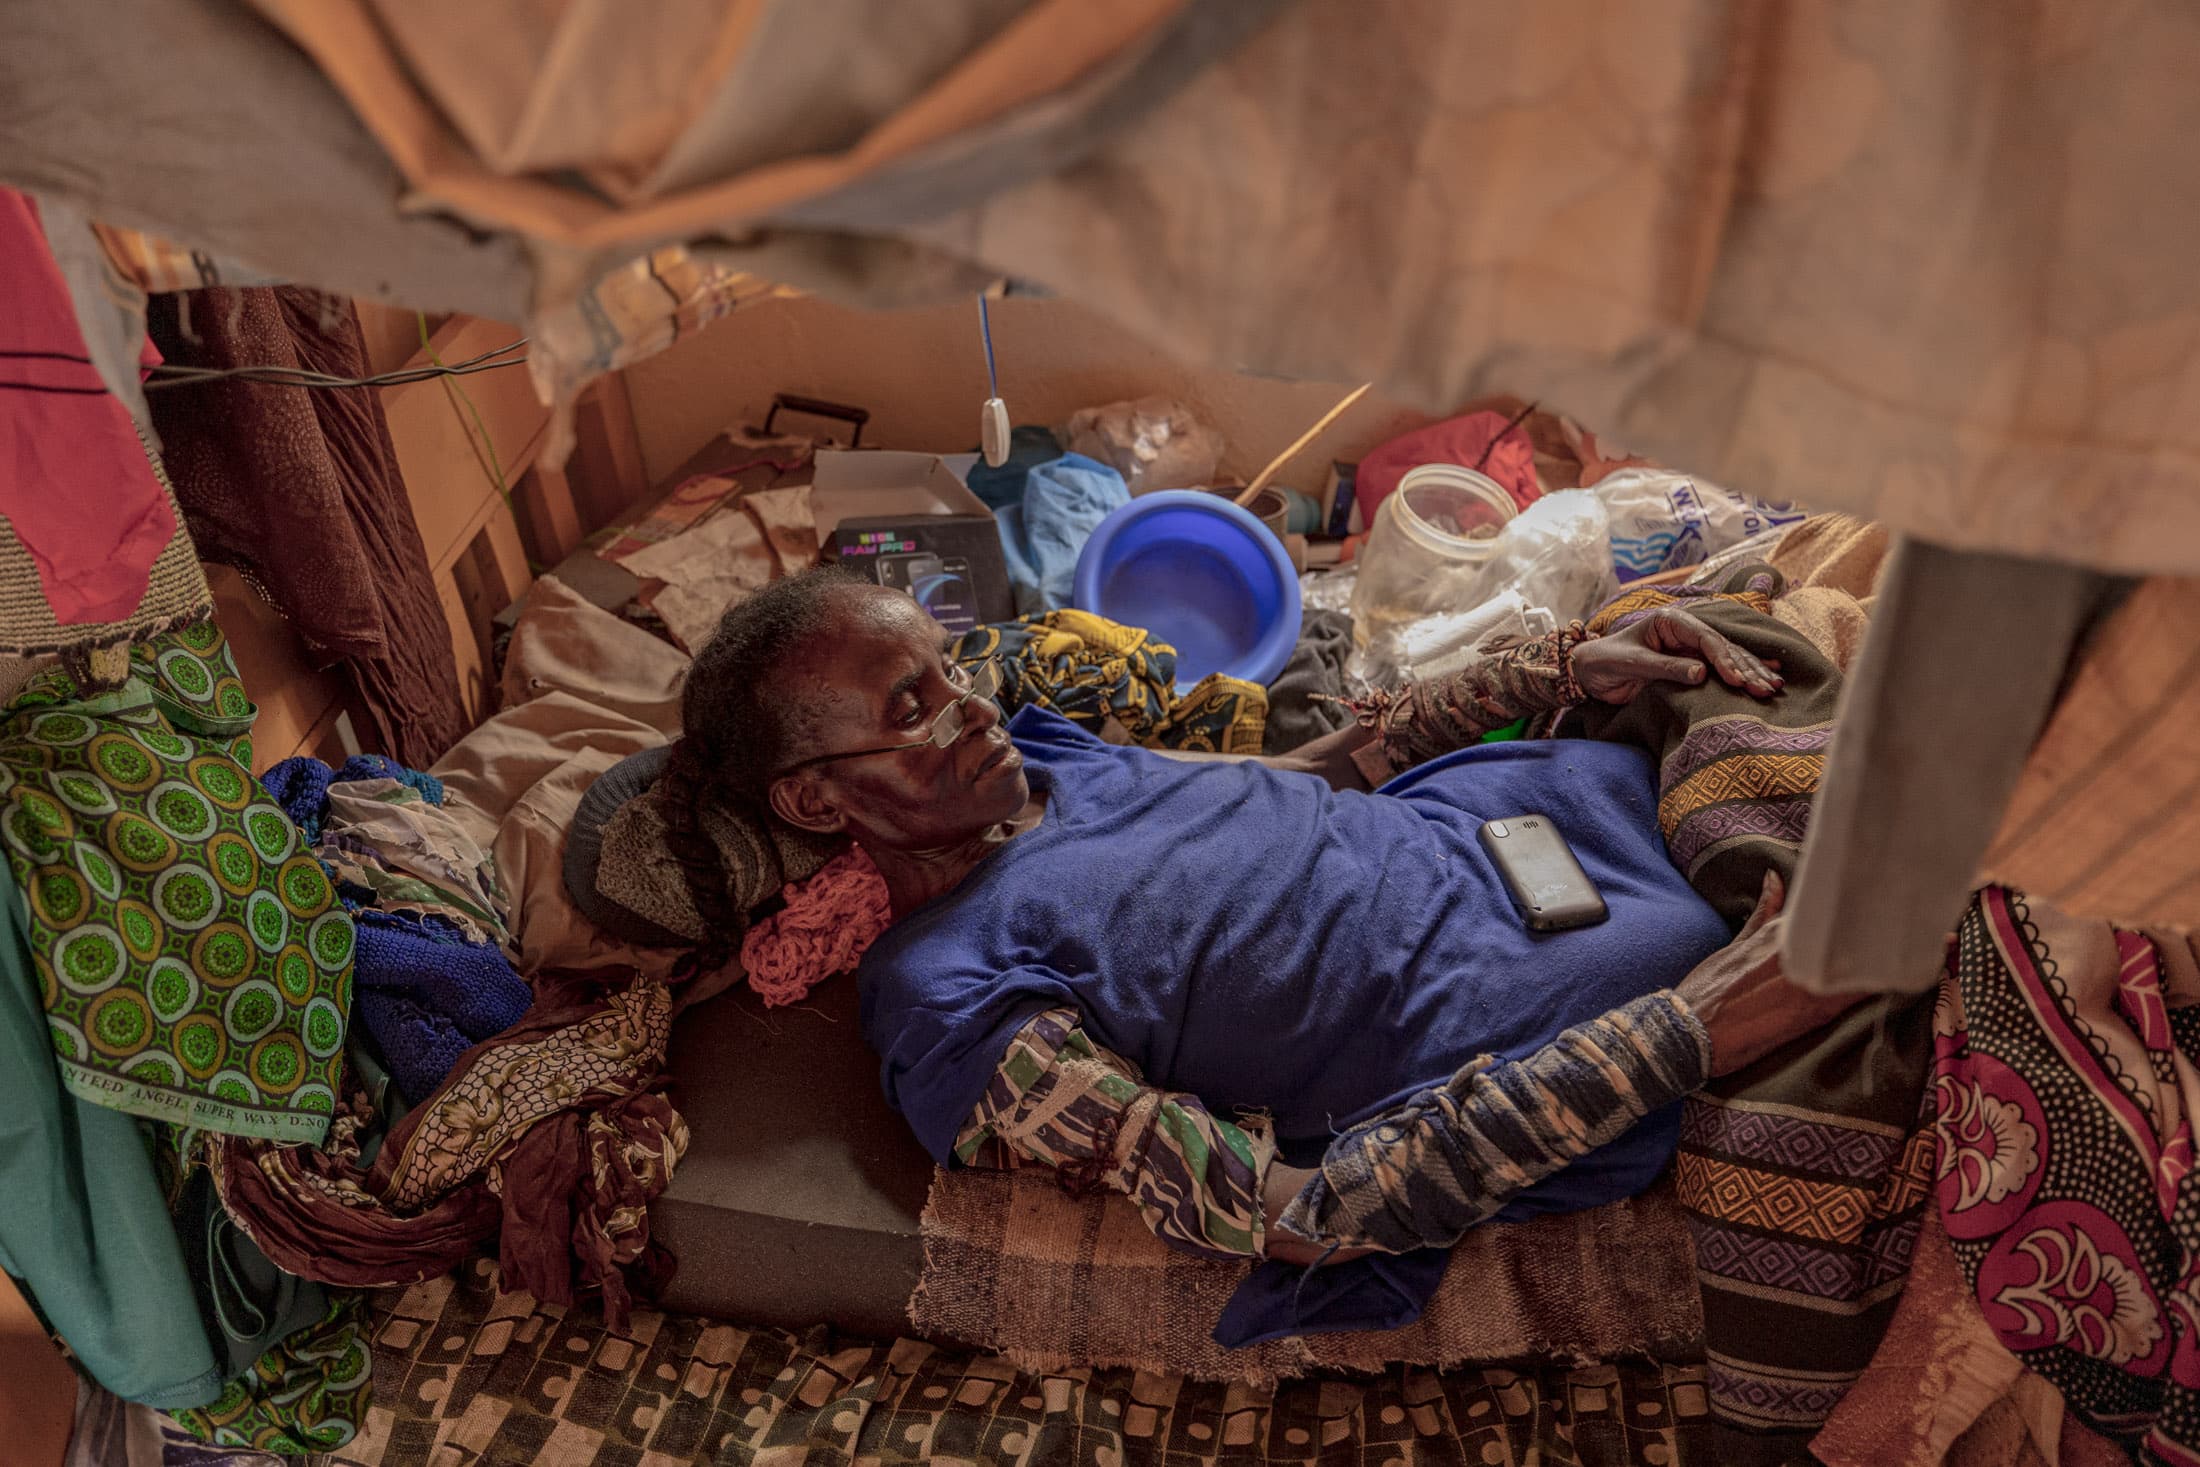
(298, 488)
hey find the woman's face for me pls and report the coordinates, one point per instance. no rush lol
(876, 677)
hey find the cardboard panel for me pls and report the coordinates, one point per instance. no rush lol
(439, 450)
(296, 700)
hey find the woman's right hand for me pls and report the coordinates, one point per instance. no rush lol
(1741, 997)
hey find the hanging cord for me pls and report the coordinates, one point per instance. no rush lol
(171, 374)
(487, 447)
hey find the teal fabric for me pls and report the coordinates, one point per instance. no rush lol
(83, 1225)
(250, 1306)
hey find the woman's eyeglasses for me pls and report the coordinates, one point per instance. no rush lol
(947, 725)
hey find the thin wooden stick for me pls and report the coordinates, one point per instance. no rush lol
(1275, 465)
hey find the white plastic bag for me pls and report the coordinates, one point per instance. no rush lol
(1153, 442)
(1444, 643)
(1662, 521)
(1557, 555)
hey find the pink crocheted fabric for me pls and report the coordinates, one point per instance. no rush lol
(827, 924)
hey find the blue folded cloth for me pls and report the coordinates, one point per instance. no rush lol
(1380, 1291)
(1064, 502)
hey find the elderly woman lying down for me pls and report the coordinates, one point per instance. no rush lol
(1182, 979)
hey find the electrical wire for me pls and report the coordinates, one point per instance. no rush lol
(439, 364)
(168, 374)
(985, 333)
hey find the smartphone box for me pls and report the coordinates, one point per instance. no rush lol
(906, 520)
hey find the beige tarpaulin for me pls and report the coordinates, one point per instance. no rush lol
(690, 116)
(2101, 821)
(1930, 261)
(1927, 260)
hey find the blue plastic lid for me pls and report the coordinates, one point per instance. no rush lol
(1202, 575)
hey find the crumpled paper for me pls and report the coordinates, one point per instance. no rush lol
(705, 571)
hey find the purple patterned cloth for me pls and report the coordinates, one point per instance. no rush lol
(1805, 1174)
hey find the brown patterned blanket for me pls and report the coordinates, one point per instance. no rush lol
(462, 1376)
(1014, 1264)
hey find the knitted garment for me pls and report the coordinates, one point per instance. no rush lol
(829, 921)
(427, 995)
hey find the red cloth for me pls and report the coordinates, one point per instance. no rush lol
(1462, 441)
(828, 923)
(74, 479)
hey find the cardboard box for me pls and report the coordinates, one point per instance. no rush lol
(906, 520)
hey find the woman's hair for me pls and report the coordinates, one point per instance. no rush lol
(737, 724)
(732, 712)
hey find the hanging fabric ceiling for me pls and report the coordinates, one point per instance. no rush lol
(1926, 261)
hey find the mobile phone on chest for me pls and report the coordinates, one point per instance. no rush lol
(1546, 883)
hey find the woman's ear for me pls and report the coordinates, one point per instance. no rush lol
(800, 799)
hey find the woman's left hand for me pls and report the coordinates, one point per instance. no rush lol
(1667, 646)
(1279, 1188)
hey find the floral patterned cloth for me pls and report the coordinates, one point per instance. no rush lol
(2067, 1087)
(193, 962)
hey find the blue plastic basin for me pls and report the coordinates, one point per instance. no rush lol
(1200, 574)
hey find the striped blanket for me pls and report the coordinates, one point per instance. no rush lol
(1806, 1174)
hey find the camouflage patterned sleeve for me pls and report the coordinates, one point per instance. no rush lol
(1062, 1101)
(1420, 1175)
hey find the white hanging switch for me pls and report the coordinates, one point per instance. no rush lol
(993, 431)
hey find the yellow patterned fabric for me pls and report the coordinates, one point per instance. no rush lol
(1633, 604)
(1091, 670)
(1747, 776)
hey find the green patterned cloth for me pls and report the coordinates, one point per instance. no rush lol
(308, 1394)
(192, 960)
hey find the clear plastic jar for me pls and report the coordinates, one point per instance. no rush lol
(1441, 521)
